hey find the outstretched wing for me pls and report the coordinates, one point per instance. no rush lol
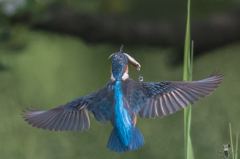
(165, 98)
(72, 116)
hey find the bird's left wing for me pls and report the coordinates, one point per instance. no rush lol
(72, 116)
(165, 98)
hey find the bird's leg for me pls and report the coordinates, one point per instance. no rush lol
(135, 120)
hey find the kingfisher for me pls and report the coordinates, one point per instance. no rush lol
(120, 101)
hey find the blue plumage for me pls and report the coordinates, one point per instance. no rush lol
(123, 121)
(136, 141)
(119, 65)
(120, 101)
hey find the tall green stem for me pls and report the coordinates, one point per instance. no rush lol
(187, 76)
(236, 155)
(232, 148)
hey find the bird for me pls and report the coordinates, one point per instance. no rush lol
(120, 101)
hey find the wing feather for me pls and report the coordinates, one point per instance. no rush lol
(165, 98)
(72, 116)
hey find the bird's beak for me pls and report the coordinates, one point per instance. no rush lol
(121, 49)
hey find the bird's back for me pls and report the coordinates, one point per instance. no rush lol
(114, 94)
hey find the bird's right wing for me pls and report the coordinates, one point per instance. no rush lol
(165, 98)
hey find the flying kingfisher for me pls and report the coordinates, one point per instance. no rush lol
(120, 101)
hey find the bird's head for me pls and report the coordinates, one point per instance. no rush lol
(119, 69)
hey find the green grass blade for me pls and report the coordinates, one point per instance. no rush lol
(236, 146)
(187, 47)
(187, 76)
(191, 70)
(230, 129)
(188, 143)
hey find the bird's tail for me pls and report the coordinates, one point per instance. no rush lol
(115, 143)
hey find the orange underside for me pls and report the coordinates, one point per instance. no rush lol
(126, 69)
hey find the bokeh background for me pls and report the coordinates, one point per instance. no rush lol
(53, 51)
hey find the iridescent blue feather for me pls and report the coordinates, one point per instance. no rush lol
(122, 117)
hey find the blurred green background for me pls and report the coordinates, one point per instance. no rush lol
(45, 69)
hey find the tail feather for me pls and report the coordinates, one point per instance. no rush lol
(115, 143)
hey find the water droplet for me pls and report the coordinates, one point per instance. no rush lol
(138, 69)
(140, 78)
